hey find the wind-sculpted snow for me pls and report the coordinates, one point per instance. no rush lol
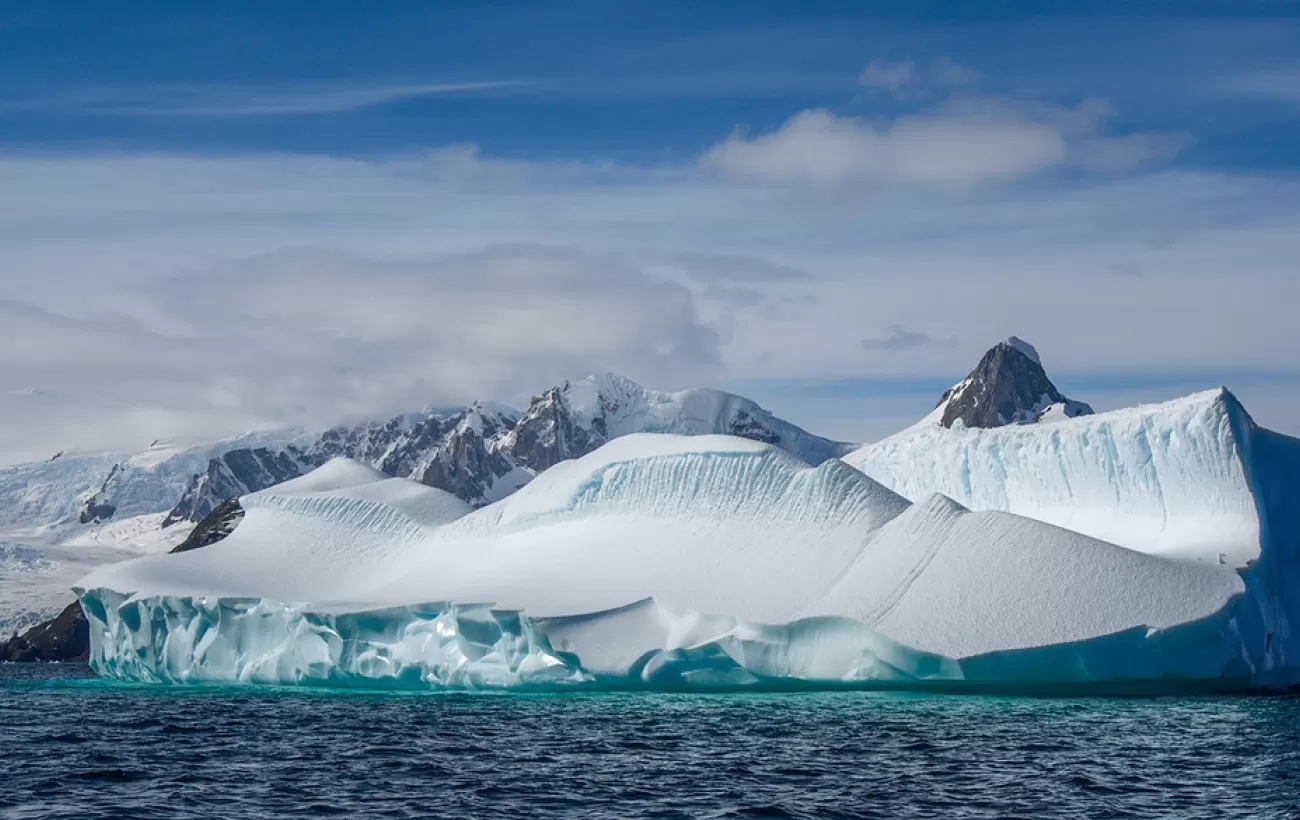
(1166, 478)
(664, 561)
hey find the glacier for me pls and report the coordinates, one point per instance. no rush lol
(664, 561)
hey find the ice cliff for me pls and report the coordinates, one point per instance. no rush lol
(1170, 478)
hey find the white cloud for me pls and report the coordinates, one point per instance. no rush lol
(311, 337)
(968, 141)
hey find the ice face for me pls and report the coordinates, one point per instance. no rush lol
(1166, 479)
(670, 561)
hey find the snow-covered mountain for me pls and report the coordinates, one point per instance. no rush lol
(1008, 386)
(488, 451)
(75, 489)
(481, 453)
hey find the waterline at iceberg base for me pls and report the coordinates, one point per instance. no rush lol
(432, 646)
(706, 562)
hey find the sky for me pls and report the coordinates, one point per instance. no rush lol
(219, 219)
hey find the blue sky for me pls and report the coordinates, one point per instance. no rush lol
(642, 82)
(283, 213)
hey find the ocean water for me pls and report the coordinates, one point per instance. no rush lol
(74, 746)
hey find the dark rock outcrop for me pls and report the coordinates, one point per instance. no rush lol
(1008, 386)
(98, 508)
(66, 637)
(466, 461)
(217, 525)
(548, 434)
(236, 473)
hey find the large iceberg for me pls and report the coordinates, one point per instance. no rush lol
(663, 561)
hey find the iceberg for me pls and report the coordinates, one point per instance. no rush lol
(663, 561)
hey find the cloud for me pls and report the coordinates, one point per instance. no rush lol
(159, 295)
(887, 76)
(904, 79)
(1280, 86)
(226, 102)
(310, 337)
(946, 72)
(965, 142)
(899, 339)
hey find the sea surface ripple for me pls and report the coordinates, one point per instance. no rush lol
(75, 746)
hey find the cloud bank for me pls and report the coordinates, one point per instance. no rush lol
(964, 142)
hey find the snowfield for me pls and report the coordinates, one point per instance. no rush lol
(666, 561)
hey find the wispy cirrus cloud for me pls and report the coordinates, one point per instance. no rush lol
(1278, 86)
(222, 102)
(904, 78)
(898, 339)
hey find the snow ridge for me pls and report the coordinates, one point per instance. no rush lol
(1163, 478)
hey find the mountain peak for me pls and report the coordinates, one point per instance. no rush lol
(1025, 348)
(1008, 386)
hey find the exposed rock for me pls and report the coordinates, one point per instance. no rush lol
(547, 433)
(1008, 386)
(66, 637)
(217, 525)
(98, 508)
(236, 473)
(468, 461)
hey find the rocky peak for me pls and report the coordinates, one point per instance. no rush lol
(550, 431)
(1008, 386)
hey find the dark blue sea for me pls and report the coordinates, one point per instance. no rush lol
(74, 746)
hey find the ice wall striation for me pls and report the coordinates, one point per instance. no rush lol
(1167, 478)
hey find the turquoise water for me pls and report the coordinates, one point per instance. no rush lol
(74, 746)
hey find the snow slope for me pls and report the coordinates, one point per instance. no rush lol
(1165, 478)
(664, 561)
(49, 496)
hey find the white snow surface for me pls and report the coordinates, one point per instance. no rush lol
(658, 560)
(1025, 348)
(1165, 479)
(44, 497)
